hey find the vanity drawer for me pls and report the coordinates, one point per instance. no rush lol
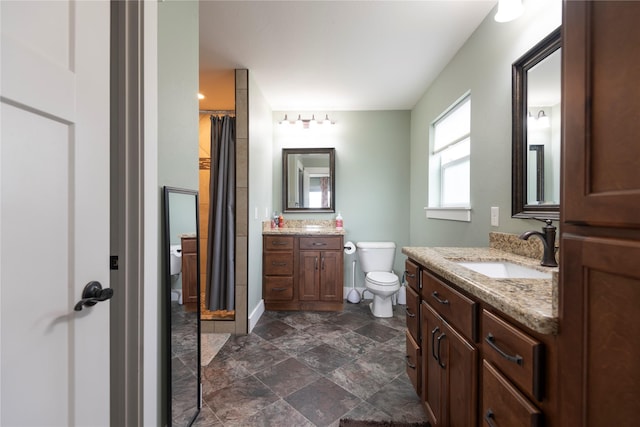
(189, 245)
(278, 288)
(278, 243)
(458, 310)
(413, 359)
(320, 243)
(278, 264)
(514, 353)
(413, 313)
(412, 275)
(502, 404)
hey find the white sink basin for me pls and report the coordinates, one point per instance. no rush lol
(505, 270)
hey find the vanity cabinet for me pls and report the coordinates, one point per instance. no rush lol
(303, 272)
(599, 343)
(449, 357)
(277, 269)
(414, 339)
(320, 272)
(478, 366)
(189, 270)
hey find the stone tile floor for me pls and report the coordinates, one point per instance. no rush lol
(311, 369)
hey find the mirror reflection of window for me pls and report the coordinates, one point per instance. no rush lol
(308, 179)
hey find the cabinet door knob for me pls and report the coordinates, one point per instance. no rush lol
(488, 417)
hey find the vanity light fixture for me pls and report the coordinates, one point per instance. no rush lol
(539, 121)
(508, 10)
(306, 123)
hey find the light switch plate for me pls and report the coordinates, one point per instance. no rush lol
(495, 216)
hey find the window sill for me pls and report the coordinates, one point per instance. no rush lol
(451, 214)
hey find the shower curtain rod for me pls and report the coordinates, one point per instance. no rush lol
(217, 111)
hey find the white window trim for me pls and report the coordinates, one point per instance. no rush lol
(449, 213)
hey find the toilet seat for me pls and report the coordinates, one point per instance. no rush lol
(382, 278)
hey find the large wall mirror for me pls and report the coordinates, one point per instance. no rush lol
(182, 280)
(537, 130)
(308, 180)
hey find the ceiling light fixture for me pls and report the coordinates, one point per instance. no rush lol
(306, 123)
(508, 10)
(200, 96)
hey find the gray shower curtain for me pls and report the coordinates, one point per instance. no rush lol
(222, 215)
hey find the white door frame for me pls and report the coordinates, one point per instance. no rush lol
(136, 394)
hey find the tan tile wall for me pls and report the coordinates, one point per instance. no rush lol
(240, 323)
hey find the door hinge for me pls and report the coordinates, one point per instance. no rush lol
(113, 262)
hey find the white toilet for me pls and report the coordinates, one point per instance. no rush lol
(175, 268)
(376, 260)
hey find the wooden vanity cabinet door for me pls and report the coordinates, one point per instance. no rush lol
(413, 363)
(450, 379)
(413, 314)
(189, 271)
(331, 267)
(309, 276)
(503, 405)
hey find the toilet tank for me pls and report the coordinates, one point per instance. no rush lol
(376, 256)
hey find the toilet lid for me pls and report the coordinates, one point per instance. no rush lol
(382, 278)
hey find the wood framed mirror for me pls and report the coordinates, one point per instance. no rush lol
(536, 141)
(182, 278)
(308, 180)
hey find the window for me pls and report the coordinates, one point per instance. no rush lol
(449, 163)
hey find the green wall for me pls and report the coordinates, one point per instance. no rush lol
(482, 66)
(260, 189)
(178, 58)
(372, 174)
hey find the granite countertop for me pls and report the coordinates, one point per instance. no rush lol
(532, 302)
(303, 227)
(302, 231)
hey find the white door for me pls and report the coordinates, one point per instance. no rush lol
(54, 213)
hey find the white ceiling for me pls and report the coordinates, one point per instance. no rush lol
(337, 55)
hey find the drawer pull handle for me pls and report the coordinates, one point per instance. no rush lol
(410, 314)
(278, 243)
(315, 266)
(442, 365)
(433, 345)
(278, 264)
(488, 417)
(410, 275)
(492, 343)
(437, 298)
(409, 364)
(318, 244)
(279, 289)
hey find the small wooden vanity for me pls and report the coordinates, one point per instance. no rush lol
(302, 269)
(480, 351)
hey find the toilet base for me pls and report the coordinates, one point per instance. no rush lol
(381, 307)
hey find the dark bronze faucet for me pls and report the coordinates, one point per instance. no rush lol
(548, 237)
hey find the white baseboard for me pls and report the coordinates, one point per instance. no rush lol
(255, 315)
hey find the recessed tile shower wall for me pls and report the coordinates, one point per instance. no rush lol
(239, 323)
